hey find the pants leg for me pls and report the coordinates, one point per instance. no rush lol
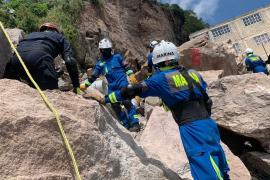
(206, 157)
(132, 113)
(120, 114)
(40, 67)
(46, 76)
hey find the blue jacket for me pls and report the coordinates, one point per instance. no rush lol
(256, 64)
(170, 86)
(114, 69)
(49, 42)
(149, 59)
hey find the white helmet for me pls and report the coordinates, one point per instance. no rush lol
(249, 51)
(152, 44)
(165, 51)
(105, 44)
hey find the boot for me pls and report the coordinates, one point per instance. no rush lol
(135, 127)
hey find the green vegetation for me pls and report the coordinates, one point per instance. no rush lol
(29, 14)
(191, 22)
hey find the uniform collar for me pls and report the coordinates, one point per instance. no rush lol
(166, 68)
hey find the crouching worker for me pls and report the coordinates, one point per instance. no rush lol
(113, 67)
(38, 51)
(255, 63)
(184, 93)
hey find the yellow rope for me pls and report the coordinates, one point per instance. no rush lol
(50, 106)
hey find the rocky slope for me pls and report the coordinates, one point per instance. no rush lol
(31, 146)
(130, 24)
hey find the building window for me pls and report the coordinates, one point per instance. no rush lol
(220, 30)
(264, 38)
(252, 19)
(237, 47)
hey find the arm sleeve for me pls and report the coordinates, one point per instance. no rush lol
(70, 62)
(143, 89)
(247, 63)
(150, 63)
(96, 73)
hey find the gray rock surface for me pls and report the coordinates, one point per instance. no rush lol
(242, 105)
(5, 51)
(203, 55)
(259, 163)
(211, 76)
(31, 146)
(130, 24)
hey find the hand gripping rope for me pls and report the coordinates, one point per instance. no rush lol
(49, 105)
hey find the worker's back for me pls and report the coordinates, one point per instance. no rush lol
(172, 87)
(48, 42)
(114, 72)
(255, 63)
(180, 93)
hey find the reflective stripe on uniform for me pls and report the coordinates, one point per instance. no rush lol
(216, 168)
(256, 58)
(179, 80)
(136, 116)
(112, 97)
(106, 70)
(194, 76)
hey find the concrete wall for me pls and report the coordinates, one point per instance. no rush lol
(244, 35)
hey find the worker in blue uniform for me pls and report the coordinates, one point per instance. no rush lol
(255, 63)
(150, 56)
(115, 69)
(184, 93)
(38, 51)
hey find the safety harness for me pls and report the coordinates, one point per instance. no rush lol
(196, 108)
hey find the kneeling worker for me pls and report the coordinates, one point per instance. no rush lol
(184, 93)
(38, 51)
(114, 68)
(255, 63)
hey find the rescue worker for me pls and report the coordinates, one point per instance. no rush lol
(184, 93)
(38, 51)
(254, 63)
(115, 69)
(150, 56)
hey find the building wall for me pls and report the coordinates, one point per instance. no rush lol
(244, 35)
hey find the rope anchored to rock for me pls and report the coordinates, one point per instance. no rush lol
(49, 105)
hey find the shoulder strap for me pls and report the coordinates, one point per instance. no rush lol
(192, 83)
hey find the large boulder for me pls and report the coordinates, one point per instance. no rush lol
(161, 138)
(31, 146)
(203, 55)
(211, 76)
(241, 105)
(5, 51)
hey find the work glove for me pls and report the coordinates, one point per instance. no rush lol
(129, 72)
(77, 91)
(132, 79)
(85, 85)
(95, 94)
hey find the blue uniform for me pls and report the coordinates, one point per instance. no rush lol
(114, 71)
(200, 137)
(150, 62)
(256, 64)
